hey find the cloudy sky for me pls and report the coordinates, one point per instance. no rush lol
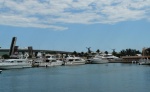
(75, 24)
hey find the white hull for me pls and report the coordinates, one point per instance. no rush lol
(48, 64)
(74, 62)
(15, 64)
(144, 62)
(99, 61)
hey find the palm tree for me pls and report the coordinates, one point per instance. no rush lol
(106, 52)
(129, 52)
(98, 51)
(114, 52)
(74, 53)
(122, 53)
(82, 54)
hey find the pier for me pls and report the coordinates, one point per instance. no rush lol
(130, 59)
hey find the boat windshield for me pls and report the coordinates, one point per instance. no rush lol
(19, 61)
(77, 59)
(8, 61)
(70, 60)
(48, 56)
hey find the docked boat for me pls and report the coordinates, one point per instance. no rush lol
(50, 60)
(144, 62)
(15, 63)
(112, 58)
(99, 59)
(72, 60)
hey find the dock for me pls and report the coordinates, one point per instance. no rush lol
(130, 59)
(120, 60)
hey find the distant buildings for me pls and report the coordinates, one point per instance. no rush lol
(14, 50)
(146, 51)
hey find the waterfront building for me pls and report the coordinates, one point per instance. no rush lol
(35, 51)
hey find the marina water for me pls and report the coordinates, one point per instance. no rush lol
(111, 77)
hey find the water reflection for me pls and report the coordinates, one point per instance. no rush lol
(113, 77)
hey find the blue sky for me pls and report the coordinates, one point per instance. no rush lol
(73, 25)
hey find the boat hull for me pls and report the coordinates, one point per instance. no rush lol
(99, 61)
(14, 66)
(49, 64)
(144, 62)
(75, 63)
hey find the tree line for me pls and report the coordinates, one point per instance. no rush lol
(124, 52)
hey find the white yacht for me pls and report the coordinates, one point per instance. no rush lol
(72, 60)
(50, 60)
(111, 57)
(99, 59)
(144, 62)
(15, 63)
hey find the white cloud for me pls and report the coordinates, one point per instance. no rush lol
(47, 13)
(26, 22)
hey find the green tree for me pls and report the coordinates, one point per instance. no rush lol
(129, 52)
(122, 53)
(114, 52)
(82, 54)
(5, 56)
(98, 51)
(106, 52)
(74, 53)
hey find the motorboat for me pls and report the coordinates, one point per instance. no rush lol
(50, 60)
(15, 63)
(144, 62)
(99, 59)
(72, 60)
(111, 57)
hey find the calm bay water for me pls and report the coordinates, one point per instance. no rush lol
(113, 77)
